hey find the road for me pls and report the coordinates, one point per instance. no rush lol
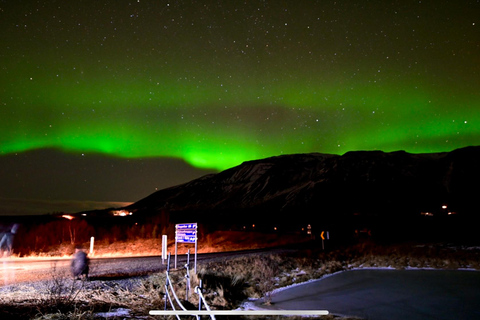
(389, 294)
(22, 269)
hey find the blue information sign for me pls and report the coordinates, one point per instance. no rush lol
(186, 232)
(182, 226)
(189, 237)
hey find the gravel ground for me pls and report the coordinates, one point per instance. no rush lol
(33, 280)
(16, 271)
(34, 289)
(38, 299)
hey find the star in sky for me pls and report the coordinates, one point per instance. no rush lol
(217, 83)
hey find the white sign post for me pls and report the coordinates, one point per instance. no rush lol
(186, 233)
(92, 240)
(164, 248)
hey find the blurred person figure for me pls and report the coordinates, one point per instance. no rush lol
(6, 241)
(80, 264)
(3, 230)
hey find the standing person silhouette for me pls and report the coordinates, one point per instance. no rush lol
(80, 264)
(6, 242)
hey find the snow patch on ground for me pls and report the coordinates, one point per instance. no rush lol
(120, 312)
(250, 304)
(302, 283)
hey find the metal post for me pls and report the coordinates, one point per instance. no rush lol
(166, 294)
(166, 282)
(200, 299)
(195, 266)
(168, 262)
(187, 276)
(176, 247)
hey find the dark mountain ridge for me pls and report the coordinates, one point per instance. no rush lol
(388, 196)
(361, 187)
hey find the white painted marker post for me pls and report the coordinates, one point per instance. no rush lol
(92, 240)
(164, 248)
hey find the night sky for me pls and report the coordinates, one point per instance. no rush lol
(161, 92)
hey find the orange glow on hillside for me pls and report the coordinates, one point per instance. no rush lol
(121, 213)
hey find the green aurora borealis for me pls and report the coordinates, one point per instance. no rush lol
(226, 82)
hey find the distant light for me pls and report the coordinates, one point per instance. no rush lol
(121, 213)
(67, 216)
(444, 206)
(427, 214)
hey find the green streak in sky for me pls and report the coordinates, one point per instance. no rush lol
(218, 121)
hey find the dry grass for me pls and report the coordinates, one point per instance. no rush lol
(219, 241)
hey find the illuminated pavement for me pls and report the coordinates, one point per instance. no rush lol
(389, 294)
(13, 271)
(17, 270)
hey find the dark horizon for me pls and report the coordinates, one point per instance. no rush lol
(46, 181)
